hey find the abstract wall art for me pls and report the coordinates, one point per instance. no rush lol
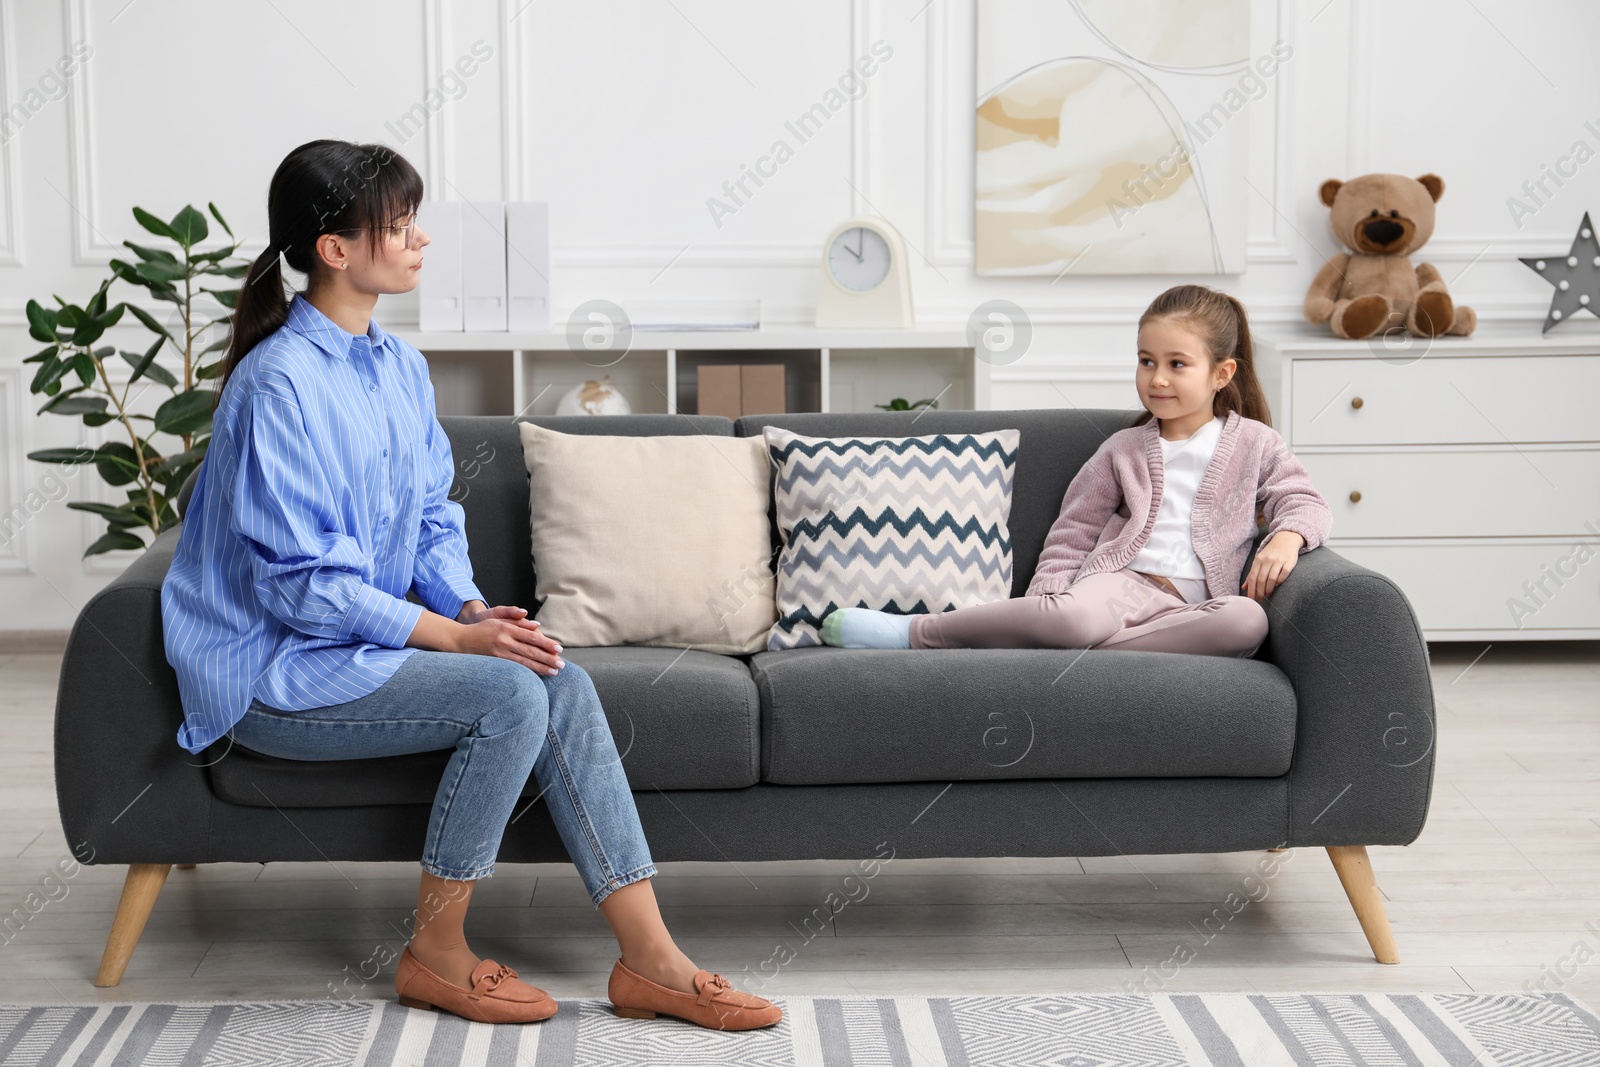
(1112, 136)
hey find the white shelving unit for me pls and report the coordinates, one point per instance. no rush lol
(1467, 470)
(828, 370)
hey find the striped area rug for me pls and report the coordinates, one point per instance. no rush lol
(1217, 1030)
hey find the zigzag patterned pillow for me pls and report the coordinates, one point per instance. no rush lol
(901, 524)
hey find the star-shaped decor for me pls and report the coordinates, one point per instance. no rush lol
(1576, 278)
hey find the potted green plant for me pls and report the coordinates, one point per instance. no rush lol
(160, 449)
(899, 403)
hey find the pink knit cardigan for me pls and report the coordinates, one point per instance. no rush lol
(1110, 508)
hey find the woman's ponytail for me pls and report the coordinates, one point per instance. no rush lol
(262, 307)
(323, 186)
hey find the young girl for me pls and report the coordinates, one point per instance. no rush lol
(322, 501)
(1154, 529)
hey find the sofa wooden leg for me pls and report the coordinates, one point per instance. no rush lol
(139, 892)
(184, 866)
(1355, 874)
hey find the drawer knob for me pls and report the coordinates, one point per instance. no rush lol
(1355, 496)
(1356, 402)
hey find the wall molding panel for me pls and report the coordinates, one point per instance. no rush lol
(10, 151)
(93, 248)
(618, 113)
(15, 556)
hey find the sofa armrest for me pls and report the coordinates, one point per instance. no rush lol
(128, 793)
(1350, 644)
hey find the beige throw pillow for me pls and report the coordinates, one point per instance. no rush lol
(651, 540)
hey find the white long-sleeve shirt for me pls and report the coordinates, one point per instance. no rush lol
(1170, 550)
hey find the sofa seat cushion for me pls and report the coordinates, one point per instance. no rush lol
(835, 715)
(680, 720)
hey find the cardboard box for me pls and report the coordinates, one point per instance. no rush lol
(718, 385)
(761, 389)
(734, 389)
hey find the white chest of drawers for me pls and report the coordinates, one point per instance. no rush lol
(1466, 469)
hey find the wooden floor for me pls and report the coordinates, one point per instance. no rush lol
(1502, 890)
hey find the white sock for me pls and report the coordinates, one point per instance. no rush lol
(865, 628)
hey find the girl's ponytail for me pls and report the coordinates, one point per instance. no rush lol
(1243, 392)
(323, 186)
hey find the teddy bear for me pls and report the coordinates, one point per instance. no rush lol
(1373, 289)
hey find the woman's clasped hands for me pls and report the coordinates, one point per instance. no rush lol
(506, 631)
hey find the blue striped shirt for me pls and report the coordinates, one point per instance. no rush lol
(322, 501)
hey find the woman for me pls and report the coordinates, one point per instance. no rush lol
(322, 501)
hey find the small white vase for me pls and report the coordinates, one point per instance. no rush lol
(594, 398)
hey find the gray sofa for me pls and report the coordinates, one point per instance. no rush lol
(1324, 738)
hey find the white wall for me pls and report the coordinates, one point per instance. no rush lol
(627, 115)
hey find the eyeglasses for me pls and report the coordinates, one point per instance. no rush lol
(408, 231)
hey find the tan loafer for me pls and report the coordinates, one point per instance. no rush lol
(717, 1005)
(496, 996)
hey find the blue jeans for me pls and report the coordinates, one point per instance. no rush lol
(503, 720)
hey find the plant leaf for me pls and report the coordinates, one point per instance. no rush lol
(41, 322)
(124, 270)
(117, 463)
(153, 224)
(228, 298)
(43, 354)
(171, 463)
(122, 516)
(185, 413)
(63, 455)
(72, 402)
(75, 405)
(88, 332)
(142, 363)
(49, 373)
(161, 272)
(114, 540)
(218, 216)
(158, 254)
(189, 226)
(83, 363)
(238, 270)
(97, 303)
(157, 373)
(150, 322)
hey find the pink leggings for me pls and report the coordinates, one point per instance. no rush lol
(1116, 609)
